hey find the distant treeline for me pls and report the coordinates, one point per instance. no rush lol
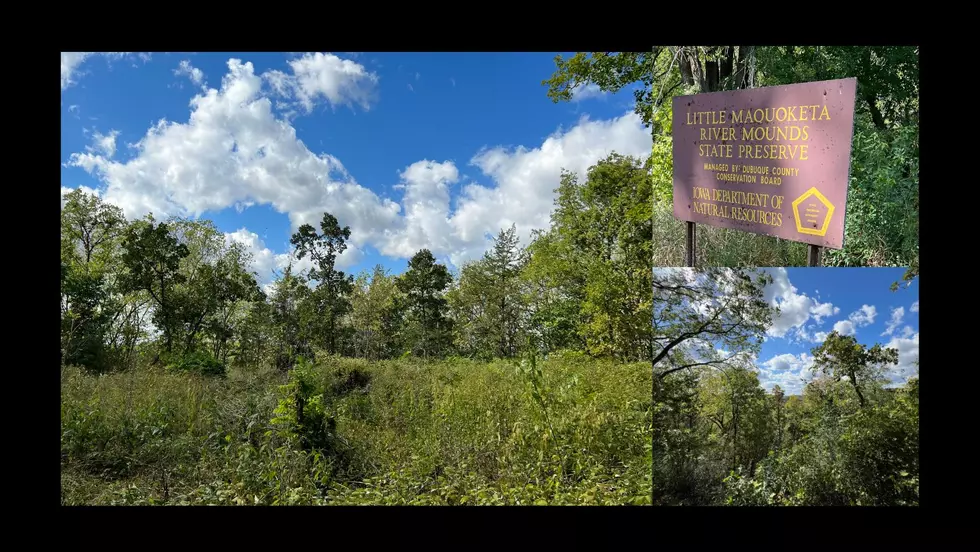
(178, 292)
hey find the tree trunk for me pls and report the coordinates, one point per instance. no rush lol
(691, 57)
(192, 334)
(728, 66)
(687, 77)
(712, 74)
(425, 344)
(163, 307)
(503, 321)
(869, 96)
(735, 420)
(857, 389)
(745, 71)
(779, 424)
(300, 404)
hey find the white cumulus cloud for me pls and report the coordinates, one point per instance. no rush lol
(790, 372)
(317, 76)
(265, 262)
(864, 316)
(908, 357)
(234, 151)
(187, 70)
(526, 179)
(845, 327)
(895, 321)
(586, 92)
(71, 63)
(104, 144)
(795, 309)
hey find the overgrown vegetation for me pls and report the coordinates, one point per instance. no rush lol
(569, 430)
(882, 223)
(522, 379)
(720, 438)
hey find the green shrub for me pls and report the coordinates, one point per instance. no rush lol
(198, 363)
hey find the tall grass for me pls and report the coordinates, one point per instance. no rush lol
(572, 431)
(719, 246)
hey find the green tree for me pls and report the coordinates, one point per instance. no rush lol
(333, 287)
(706, 310)
(217, 282)
(152, 257)
(291, 337)
(373, 299)
(610, 71)
(682, 443)
(841, 356)
(888, 76)
(90, 229)
(91, 306)
(235, 290)
(554, 279)
(597, 254)
(737, 406)
(504, 263)
(423, 285)
(778, 408)
(656, 75)
(488, 301)
(469, 309)
(911, 273)
(255, 335)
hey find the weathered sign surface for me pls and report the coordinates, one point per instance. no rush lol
(772, 160)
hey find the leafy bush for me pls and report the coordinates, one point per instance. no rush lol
(869, 457)
(198, 363)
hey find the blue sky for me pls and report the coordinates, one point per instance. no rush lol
(434, 150)
(854, 301)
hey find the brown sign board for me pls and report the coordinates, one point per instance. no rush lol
(772, 160)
